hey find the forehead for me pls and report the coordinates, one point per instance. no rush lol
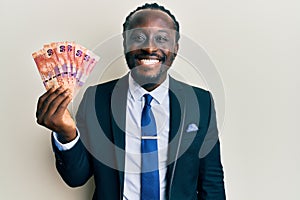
(151, 18)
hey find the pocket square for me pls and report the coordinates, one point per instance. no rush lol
(192, 127)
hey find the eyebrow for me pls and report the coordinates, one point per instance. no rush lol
(159, 30)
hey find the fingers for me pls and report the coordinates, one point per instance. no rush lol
(41, 100)
(50, 102)
(63, 105)
(46, 100)
(56, 99)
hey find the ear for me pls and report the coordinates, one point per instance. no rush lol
(124, 42)
(176, 48)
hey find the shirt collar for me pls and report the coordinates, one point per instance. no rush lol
(159, 93)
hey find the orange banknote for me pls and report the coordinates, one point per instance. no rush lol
(65, 63)
(46, 68)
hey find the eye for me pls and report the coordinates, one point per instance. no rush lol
(161, 39)
(138, 37)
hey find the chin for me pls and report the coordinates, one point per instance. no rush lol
(148, 78)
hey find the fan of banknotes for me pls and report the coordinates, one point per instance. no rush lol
(65, 63)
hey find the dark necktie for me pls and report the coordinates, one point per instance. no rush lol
(150, 173)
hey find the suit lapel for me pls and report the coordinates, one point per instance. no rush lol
(177, 108)
(118, 117)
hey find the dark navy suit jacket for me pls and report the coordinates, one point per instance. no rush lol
(194, 165)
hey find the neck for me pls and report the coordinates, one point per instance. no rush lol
(152, 84)
(150, 87)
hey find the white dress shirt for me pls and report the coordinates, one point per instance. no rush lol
(160, 106)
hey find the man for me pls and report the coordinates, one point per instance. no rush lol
(110, 140)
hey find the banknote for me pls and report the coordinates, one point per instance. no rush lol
(88, 64)
(53, 63)
(71, 57)
(47, 66)
(80, 53)
(45, 72)
(62, 57)
(89, 61)
(65, 63)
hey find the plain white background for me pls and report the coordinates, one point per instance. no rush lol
(254, 44)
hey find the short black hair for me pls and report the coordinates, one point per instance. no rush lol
(153, 6)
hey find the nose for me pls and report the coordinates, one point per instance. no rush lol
(149, 46)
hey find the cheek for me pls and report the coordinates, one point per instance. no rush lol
(170, 58)
(169, 49)
(170, 55)
(132, 49)
(130, 46)
(127, 46)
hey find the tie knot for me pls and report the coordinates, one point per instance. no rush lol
(148, 99)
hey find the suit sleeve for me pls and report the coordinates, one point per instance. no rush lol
(210, 182)
(74, 165)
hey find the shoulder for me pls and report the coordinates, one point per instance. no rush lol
(200, 93)
(107, 87)
(104, 86)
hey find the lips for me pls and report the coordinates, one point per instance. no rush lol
(148, 59)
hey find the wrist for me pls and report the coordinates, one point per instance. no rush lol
(67, 137)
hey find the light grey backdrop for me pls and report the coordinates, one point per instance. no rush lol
(254, 44)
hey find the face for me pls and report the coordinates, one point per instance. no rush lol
(150, 46)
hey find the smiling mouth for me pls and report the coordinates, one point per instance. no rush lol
(149, 61)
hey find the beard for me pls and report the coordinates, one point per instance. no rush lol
(139, 73)
(149, 80)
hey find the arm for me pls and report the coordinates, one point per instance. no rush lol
(73, 164)
(53, 114)
(210, 181)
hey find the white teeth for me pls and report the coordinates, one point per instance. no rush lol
(149, 61)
